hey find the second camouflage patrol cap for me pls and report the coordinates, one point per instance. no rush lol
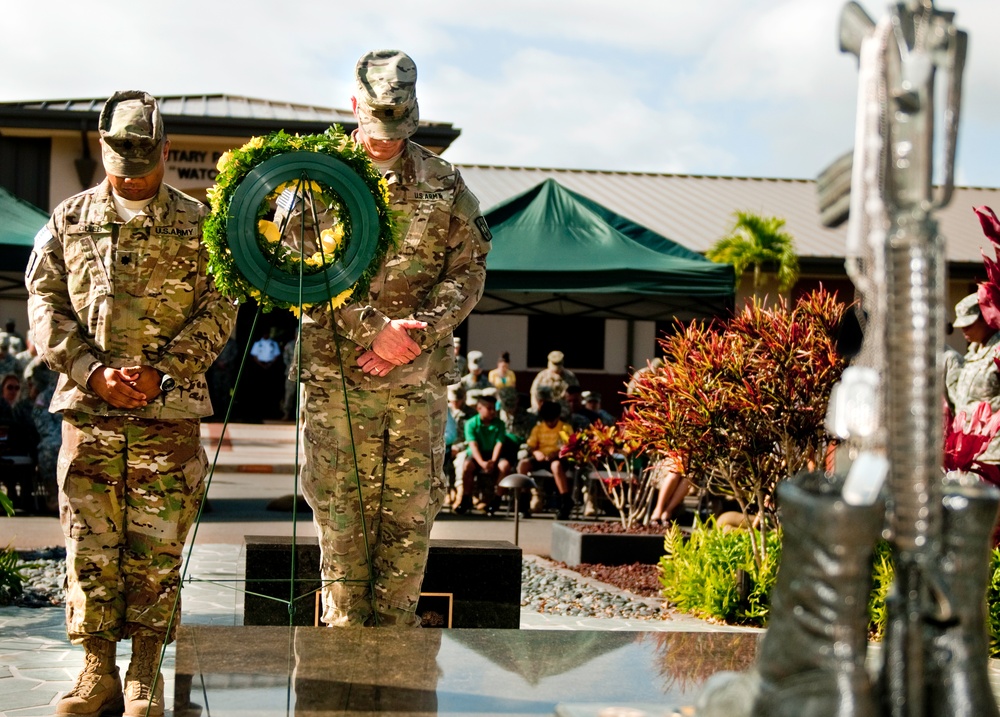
(131, 134)
(387, 94)
(967, 311)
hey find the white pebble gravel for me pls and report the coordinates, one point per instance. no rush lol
(544, 589)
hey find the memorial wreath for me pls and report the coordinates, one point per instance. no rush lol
(324, 175)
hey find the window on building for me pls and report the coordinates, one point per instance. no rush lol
(581, 340)
(24, 168)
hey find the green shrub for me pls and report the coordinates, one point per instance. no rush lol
(11, 577)
(701, 575)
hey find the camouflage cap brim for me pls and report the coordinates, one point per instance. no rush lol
(121, 166)
(388, 123)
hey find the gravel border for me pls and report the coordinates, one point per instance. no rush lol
(545, 588)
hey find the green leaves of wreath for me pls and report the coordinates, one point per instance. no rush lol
(329, 171)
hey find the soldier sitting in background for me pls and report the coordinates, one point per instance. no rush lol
(555, 378)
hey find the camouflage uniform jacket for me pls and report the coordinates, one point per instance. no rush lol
(556, 381)
(436, 275)
(123, 294)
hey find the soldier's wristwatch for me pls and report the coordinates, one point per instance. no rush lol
(167, 383)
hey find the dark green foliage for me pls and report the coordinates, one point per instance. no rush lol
(700, 576)
(11, 578)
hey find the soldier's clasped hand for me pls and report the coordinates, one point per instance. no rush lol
(117, 387)
(394, 344)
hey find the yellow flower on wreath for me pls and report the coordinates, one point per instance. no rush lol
(223, 164)
(335, 303)
(314, 187)
(269, 230)
(331, 239)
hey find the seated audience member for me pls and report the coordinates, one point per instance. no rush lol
(673, 488)
(546, 438)
(454, 439)
(579, 415)
(8, 363)
(10, 389)
(18, 426)
(487, 452)
(515, 414)
(555, 377)
(461, 363)
(476, 381)
(502, 376)
(42, 383)
(650, 367)
(592, 401)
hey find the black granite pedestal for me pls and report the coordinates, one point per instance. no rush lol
(313, 672)
(467, 583)
(573, 545)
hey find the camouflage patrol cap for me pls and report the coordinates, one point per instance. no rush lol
(131, 134)
(387, 94)
(966, 311)
(556, 358)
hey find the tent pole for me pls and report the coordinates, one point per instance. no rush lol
(630, 345)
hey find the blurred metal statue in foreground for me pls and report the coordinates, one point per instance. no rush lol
(888, 410)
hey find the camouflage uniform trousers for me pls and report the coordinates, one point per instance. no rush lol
(398, 436)
(129, 490)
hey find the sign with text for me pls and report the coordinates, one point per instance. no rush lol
(191, 168)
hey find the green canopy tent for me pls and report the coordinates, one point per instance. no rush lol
(558, 252)
(19, 223)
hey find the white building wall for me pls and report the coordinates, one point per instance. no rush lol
(495, 334)
(643, 343)
(615, 346)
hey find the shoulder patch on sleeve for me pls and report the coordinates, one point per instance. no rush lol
(483, 228)
(467, 209)
(43, 237)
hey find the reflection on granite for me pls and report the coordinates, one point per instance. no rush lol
(473, 583)
(309, 672)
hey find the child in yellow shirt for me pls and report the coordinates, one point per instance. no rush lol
(546, 438)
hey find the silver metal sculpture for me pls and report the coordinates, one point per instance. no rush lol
(888, 410)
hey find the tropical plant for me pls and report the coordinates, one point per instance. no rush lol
(701, 574)
(744, 401)
(11, 577)
(754, 241)
(616, 459)
(966, 440)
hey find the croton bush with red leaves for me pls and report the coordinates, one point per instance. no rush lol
(744, 399)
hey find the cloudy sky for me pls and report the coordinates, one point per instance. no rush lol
(731, 87)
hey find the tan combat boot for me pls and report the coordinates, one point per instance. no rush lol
(98, 689)
(143, 681)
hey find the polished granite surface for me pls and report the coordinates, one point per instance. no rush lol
(319, 671)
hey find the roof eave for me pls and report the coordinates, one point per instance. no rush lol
(434, 135)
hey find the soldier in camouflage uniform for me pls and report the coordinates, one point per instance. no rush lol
(978, 376)
(122, 308)
(392, 353)
(556, 378)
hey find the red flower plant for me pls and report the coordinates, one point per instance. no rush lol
(989, 291)
(964, 444)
